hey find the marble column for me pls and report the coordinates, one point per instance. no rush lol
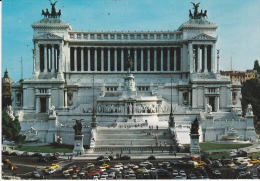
(45, 59)
(59, 61)
(115, 57)
(49, 103)
(161, 58)
(205, 103)
(89, 59)
(38, 105)
(82, 59)
(108, 59)
(175, 59)
(65, 98)
(194, 97)
(213, 58)
(205, 59)
(142, 59)
(95, 54)
(216, 103)
(155, 59)
(37, 58)
(148, 59)
(199, 59)
(102, 59)
(135, 58)
(122, 59)
(191, 57)
(52, 59)
(168, 59)
(75, 59)
(181, 61)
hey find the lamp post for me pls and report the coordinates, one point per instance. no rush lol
(171, 117)
(94, 118)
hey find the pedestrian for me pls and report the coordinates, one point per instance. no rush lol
(175, 154)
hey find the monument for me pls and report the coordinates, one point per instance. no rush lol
(194, 138)
(132, 85)
(78, 141)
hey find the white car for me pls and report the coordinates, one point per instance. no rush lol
(175, 173)
(50, 171)
(104, 174)
(118, 167)
(103, 177)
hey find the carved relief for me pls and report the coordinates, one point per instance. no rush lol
(49, 36)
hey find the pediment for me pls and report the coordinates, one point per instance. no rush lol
(48, 36)
(203, 36)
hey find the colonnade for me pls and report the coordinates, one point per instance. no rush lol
(49, 56)
(202, 58)
(114, 58)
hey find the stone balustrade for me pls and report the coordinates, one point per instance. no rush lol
(125, 36)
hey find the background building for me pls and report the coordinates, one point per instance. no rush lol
(241, 76)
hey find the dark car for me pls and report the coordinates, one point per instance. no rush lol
(42, 159)
(151, 158)
(100, 157)
(13, 154)
(54, 157)
(125, 157)
(36, 154)
(25, 154)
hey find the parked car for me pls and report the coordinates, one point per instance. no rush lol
(36, 154)
(66, 174)
(25, 154)
(42, 159)
(175, 173)
(50, 171)
(106, 159)
(55, 165)
(36, 174)
(125, 157)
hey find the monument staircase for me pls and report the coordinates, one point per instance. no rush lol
(132, 137)
(223, 115)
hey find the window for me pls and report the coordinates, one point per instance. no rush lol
(143, 88)
(111, 89)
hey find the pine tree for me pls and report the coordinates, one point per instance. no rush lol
(256, 66)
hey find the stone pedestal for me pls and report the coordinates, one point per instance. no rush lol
(78, 145)
(194, 144)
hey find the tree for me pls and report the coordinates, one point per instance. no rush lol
(256, 66)
(250, 94)
(11, 128)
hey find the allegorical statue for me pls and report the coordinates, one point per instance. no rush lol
(196, 6)
(194, 127)
(78, 127)
(53, 10)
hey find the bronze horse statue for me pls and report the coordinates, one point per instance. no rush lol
(46, 14)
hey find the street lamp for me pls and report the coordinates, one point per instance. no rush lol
(94, 117)
(171, 117)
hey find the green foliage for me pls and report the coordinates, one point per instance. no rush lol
(11, 128)
(251, 94)
(256, 66)
(46, 149)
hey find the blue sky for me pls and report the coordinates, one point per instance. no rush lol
(238, 21)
